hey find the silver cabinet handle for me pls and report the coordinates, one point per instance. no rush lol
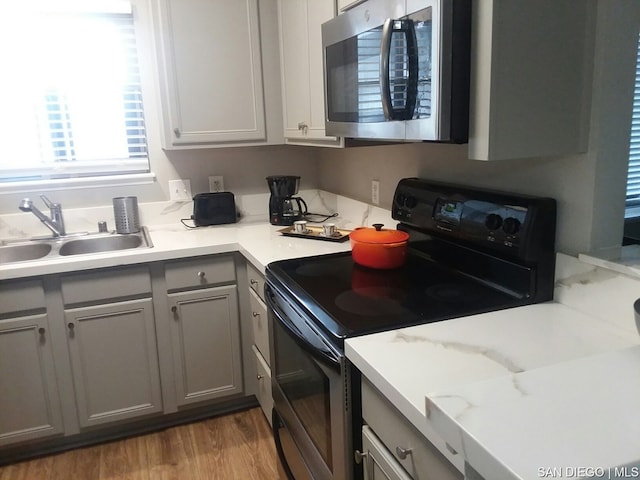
(253, 282)
(359, 456)
(202, 274)
(255, 314)
(259, 377)
(402, 453)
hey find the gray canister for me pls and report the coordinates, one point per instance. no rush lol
(125, 211)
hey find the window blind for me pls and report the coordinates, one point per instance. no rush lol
(72, 93)
(633, 176)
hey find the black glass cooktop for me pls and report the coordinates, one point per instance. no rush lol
(349, 300)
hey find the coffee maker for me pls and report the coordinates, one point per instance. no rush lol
(284, 208)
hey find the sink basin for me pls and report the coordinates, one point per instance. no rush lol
(100, 244)
(24, 252)
(75, 244)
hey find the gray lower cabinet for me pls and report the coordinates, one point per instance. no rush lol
(392, 447)
(29, 400)
(111, 339)
(205, 336)
(379, 463)
(114, 361)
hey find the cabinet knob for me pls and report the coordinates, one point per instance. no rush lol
(71, 326)
(255, 314)
(41, 330)
(176, 132)
(253, 282)
(359, 456)
(402, 453)
(202, 274)
(174, 309)
(259, 377)
(303, 127)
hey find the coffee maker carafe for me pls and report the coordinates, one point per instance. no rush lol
(284, 207)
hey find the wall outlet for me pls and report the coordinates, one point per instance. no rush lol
(375, 192)
(216, 183)
(180, 190)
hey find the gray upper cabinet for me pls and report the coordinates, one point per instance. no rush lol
(531, 76)
(112, 345)
(218, 84)
(29, 402)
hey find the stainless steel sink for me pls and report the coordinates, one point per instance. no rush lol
(24, 252)
(79, 244)
(100, 244)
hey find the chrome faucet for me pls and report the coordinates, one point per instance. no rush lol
(55, 223)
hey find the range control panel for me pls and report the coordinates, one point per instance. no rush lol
(505, 222)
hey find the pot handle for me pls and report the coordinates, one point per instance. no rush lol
(378, 226)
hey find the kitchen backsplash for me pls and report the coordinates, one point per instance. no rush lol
(252, 208)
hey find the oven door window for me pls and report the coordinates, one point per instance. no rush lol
(307, 388)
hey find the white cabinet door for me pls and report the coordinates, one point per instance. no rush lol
(114, 361)
(205, 335)
(211, 72)
(29, 401)
(302, 70)
(347, 4)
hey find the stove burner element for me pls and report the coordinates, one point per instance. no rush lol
(453, 293)
(314, 270)
(372, 301)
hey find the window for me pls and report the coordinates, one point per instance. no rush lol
(633, 176)
(70, 91)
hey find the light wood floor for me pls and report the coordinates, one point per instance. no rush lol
(235, 446)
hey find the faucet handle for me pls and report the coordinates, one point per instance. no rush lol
(47, 202)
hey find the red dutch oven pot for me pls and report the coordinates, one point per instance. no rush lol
(378, 248)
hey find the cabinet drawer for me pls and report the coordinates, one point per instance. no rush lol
(21, 295)
(199, 272)
(106, 284)
(263, 391)
(424, 462)
(260, 324)
(256, 280)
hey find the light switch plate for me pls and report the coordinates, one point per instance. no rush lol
(375, 192)
(180, 190)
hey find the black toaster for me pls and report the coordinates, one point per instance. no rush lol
(214, 209)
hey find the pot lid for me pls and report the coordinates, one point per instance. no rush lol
(378, 235)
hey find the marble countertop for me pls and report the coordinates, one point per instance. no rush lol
(533, 360)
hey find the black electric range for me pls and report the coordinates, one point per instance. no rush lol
(470, 251)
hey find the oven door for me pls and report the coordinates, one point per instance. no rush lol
(310, 384)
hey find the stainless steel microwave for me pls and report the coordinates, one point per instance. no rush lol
(399, 70)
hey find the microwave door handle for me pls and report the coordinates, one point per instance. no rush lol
(412, 81)
(385, 53)
(408, 30)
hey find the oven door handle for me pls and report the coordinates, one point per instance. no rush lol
(309, 340)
